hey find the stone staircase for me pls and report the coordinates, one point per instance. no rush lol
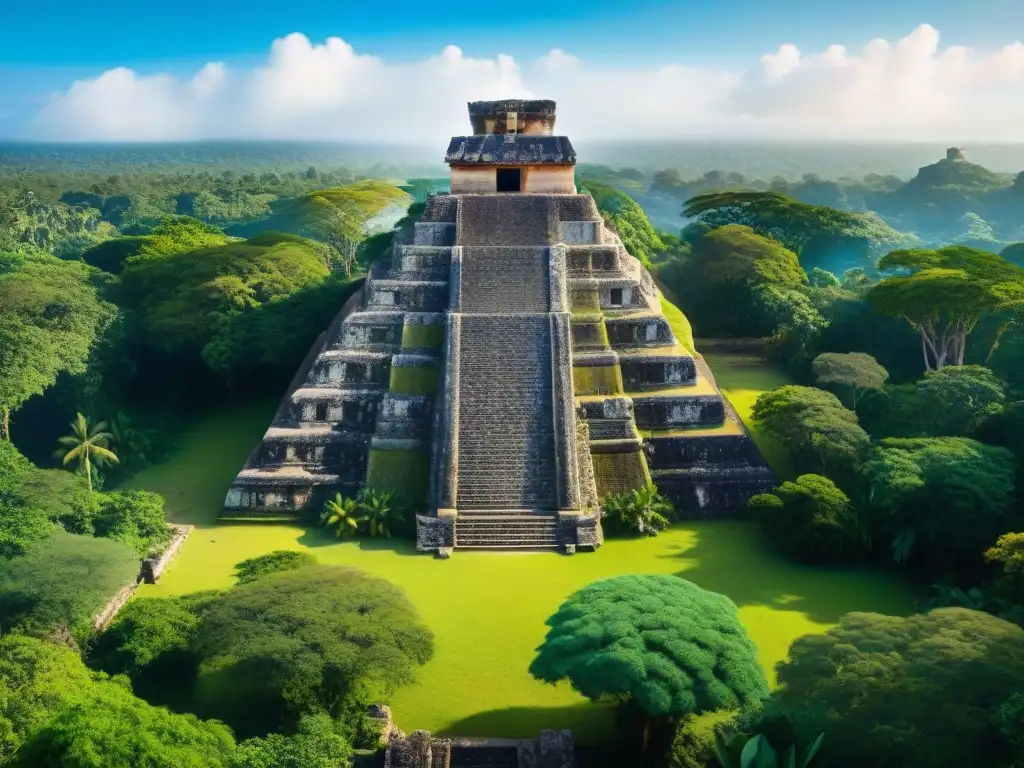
(506, 421)
(501, 531)
(506, 280)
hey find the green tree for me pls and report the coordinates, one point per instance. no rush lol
(22, 520)
(88, 446)
(733, 265)
(37, 679)
(943, 297)
(315, 638)
(818, 431)
(809, 519)
(50, 320)
(135, 517)
(186, 301)
(111, 728)
(659, 642)
(316, 744)
(910, 692)
(175, 234)
(853, 371)
(261, 566)
(339, 216)
(799, 226)
(150, 640)
(1008, 553)
(942, 499)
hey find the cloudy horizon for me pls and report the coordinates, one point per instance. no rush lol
(913, 88)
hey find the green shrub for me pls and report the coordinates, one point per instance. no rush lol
(150, 641)
(809, 519)
(317, 744)
(135, 517)
(256, 568)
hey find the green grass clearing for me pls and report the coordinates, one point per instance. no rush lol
(488, 610)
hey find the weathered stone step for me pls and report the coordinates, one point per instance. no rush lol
(506, 531)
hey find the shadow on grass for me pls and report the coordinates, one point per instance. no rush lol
(592, 724)
(739, 564)
(314, 537)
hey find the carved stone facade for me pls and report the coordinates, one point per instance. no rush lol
(515, 355)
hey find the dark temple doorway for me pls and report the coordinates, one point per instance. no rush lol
(509, 179)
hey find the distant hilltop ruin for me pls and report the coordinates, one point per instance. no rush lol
(509, 368)
(955, 153)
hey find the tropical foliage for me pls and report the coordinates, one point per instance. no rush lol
(639, 510)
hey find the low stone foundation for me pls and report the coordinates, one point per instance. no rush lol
(554, 749)
(150, 570)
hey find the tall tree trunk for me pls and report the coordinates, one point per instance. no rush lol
(5, 423)
(88, 472)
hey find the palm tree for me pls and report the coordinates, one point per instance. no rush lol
(378, 511)
(341, 513)
(87, 445)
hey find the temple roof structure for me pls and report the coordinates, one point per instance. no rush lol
(510, 149)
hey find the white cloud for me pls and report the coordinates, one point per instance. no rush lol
(912, 88)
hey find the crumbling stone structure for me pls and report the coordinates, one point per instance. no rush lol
(554, 749)
(508, 369)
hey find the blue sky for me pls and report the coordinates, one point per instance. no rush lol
(44, 46)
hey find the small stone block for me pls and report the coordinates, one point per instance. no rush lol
(570, 549)
(443, 553)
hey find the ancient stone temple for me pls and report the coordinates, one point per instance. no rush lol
(510, 367)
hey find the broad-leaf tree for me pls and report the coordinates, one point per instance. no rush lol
(50, 318)
(659, 642)
(942, 499)
(318, 638)
(821, 434)
(942, 295)
(798, 226)
(111, 728)
(854, 372)
(914, 692)
(809, 519)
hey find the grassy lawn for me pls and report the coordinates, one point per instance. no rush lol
(488, 610)
(742, 378)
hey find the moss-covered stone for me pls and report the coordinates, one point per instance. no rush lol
(402, 472)
(596, 380)
(584, 300)
(418, 380)
(618, 472)
(419, 336)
